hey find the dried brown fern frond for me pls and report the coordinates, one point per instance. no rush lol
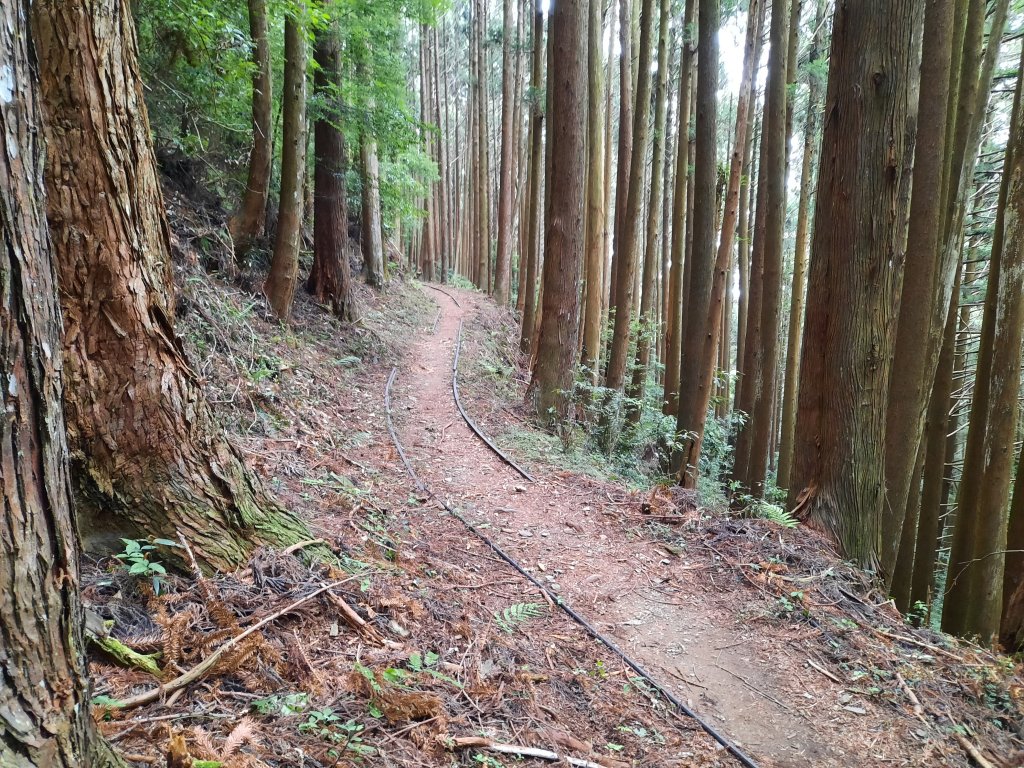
(201, 744)
(242, 734)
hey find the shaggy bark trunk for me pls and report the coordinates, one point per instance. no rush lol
(247, 224)
(624, 155)
(44, 700)
(859, 235)
(284, 266)
(148, 458)
(564, 235)
(330, 279)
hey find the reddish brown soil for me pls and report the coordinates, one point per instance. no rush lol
(697, 598)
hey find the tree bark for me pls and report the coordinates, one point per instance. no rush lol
(284, 265)
(148, 458)
(625, 143)
(44, 699)
(247, 224)
(564, 235)
(330, 278)
(859, 235)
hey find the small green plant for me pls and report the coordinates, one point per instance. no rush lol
(487, 761)
(517, 614)
(325, 724)
(137, 559)
(773, 513)
(281, 704)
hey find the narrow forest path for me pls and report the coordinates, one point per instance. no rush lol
(661, 610)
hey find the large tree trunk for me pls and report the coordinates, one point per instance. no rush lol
(247, 223)
(859, 236)
(674, 297)
(564, 235)
(148, 458)
(284, 266)
(44, 699)
(701, 264)
(330, 279)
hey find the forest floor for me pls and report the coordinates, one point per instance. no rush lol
(435, 652)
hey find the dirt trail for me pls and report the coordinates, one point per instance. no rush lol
(660, 609)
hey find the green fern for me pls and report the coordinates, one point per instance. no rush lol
(517, 614)
(774, 514)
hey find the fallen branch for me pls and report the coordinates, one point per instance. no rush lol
(302, 545)
(814, 665)
(199, 670)
(973, 751)
(914, 701)
(513, 749)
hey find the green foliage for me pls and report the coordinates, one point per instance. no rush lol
(281, 704)
(518, 614)
(325, 724)
(136, 559)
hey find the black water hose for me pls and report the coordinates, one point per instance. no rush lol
(733, 750)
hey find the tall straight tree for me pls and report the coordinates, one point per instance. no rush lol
(625, 143)
(564, 231)
(697, 382)
(44, 700)
(674, 295)
(595, 243)
(913, 376)
(697, 304)
(800, 253)
(976, 563)
(148, 457)
(536, 157)
(648, 298)
(284, 266)
(753, 445)
(860, 232)
(627, 245)
(330, 279)
(247, 223)
(503, 266)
